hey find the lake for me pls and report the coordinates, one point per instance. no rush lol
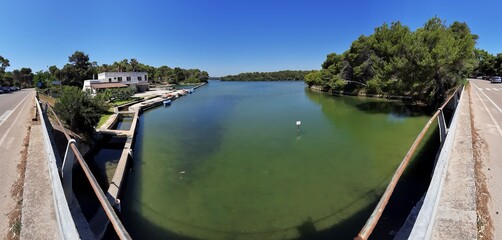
(228, 162)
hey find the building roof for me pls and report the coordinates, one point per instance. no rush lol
(107, 85)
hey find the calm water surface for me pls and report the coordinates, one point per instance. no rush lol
(227, 162)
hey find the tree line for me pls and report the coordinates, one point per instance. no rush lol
(286, 75)
(488, 64)
(19, 77)
(80, 68)
(394, 60)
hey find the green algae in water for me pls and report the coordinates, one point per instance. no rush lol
(228, 163)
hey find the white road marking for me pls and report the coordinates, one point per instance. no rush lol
(489, 99)
(489, 89)
(496, 89)
(6, 133)
(489, 113)
(13, 110)
(5, 115)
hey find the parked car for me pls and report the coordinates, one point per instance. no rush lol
(496, 79)
(1, 91)
(5, 89)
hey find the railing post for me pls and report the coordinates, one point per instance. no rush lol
(67, 171)
(442, 126)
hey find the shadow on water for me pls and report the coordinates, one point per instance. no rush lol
(412, 186)
(348, 228)
(108, 152)
(393, 107)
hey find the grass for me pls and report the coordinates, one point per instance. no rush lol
(48, 99)
(16, 227)
(105, 117)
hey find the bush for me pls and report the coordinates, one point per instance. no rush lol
(79, 110)
(116, 94)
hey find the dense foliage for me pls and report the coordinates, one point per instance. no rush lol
(19, 77)
(79, 110)
(488, 64)
(287, 75)
(394, 60)
(116, 94)
(80, 68)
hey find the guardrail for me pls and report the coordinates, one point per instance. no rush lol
(67, 166)
(66, 225)
(443, 131)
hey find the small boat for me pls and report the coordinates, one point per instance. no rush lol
(167, 102)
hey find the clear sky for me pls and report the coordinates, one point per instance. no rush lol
(221, 37)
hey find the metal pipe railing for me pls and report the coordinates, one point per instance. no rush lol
(380, 207)
(107, 207)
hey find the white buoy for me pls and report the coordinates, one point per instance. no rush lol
(298, 123)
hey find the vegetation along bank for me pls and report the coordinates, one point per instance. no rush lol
(423, 64)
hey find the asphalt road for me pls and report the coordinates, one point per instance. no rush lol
(486, 108)
(15, 111)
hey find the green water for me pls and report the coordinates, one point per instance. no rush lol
(227, 162)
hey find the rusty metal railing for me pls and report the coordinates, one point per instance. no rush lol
(107, 207)
(380, 207)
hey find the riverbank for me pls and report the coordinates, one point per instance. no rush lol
(151, 99)
(362, 94)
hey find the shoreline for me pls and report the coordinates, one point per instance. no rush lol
(115, 188)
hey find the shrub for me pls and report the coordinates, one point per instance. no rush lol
(79, 110)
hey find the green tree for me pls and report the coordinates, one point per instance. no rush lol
(425, 63)
(45, 77)
(134, 64)
(79, 110)
(313, 78)
(441, 58)
(78, 69)
(4, 63)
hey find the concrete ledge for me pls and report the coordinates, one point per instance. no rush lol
(449, 207)
(38, 214)
(65, 225)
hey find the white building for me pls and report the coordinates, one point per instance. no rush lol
(138, 80)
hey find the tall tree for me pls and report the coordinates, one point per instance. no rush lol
(4, 63)
(78, 69)
(134, 64)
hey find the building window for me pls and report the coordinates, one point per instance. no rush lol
(120, 79)
(139, 78)
(109, 79)
(146, 78)
(128, 79)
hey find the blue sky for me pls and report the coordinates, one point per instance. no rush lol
(221, 37)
